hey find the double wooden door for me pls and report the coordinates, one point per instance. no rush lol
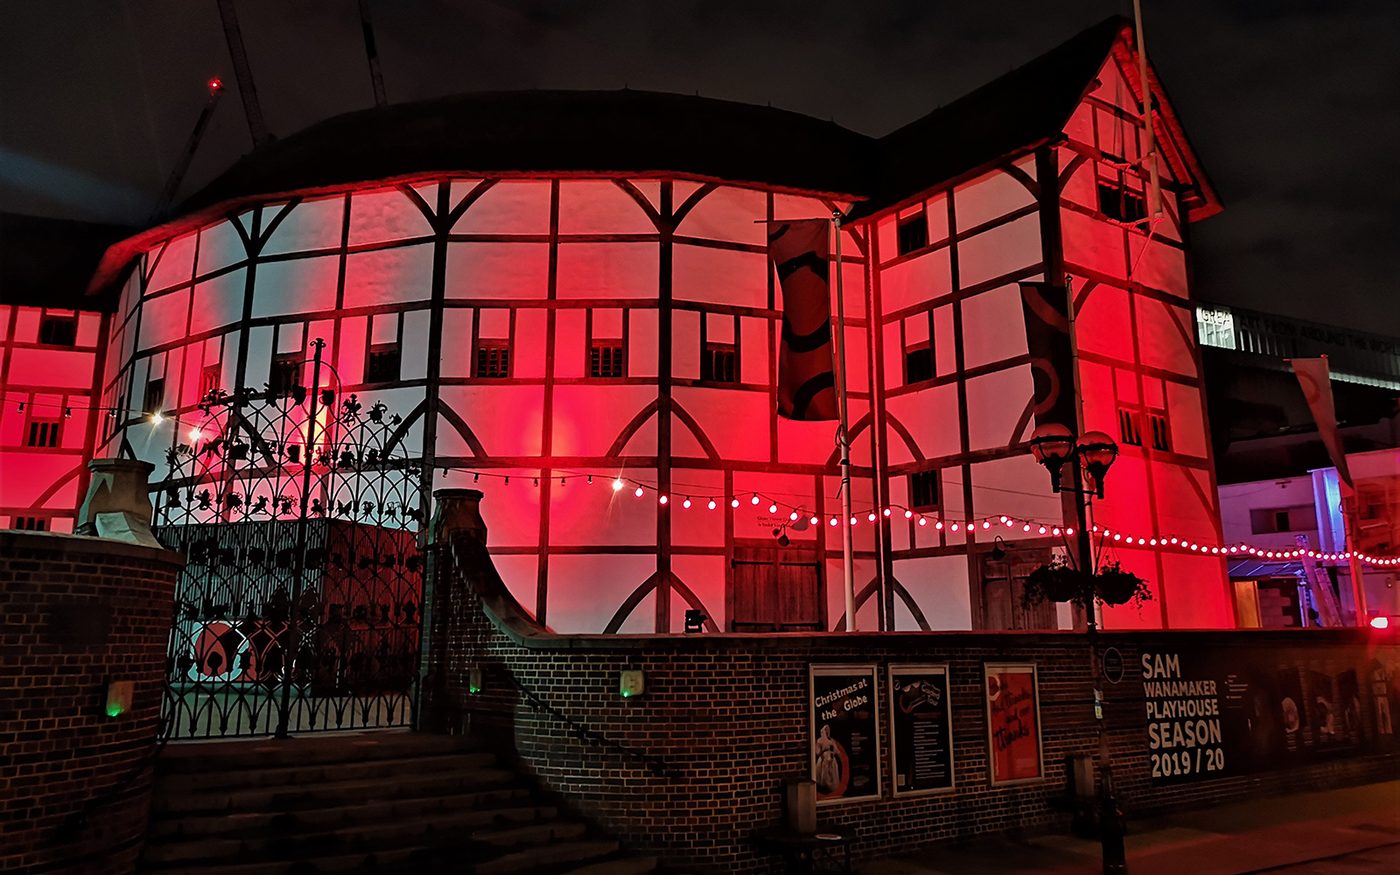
(776, 589)
(1002, 604)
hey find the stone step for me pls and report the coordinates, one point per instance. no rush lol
(502, 827)
(333, 747)
(302, 775)
(545, 857)
(327, 794)
(618, 866)
(408, 859)
(311, 819)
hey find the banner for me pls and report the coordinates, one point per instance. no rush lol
(1046, 311)
(1214, 713)
(1315, 378)
(801, 252)
(1013, 722)
(845, 732)
(921, 738)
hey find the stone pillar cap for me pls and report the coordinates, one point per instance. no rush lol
(458, 492)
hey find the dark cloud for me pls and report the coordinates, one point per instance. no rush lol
(1291, 103)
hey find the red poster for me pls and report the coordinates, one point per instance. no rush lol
(1013, 722)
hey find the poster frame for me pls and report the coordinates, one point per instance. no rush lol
(988, 668)
(872, 670)
(930, 667)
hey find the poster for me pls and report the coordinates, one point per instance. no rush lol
(1219, 712)
(845, 733)
(1013, 722)
(921, 735)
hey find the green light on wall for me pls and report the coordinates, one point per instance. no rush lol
(474, 681)
(119, 695)
(631, 684)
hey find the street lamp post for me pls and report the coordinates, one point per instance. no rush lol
(1092, 454)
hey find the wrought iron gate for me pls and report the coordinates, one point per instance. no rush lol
(300, 607)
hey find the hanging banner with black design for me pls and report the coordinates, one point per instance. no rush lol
(921, 737)
(801, 253)
(845, 732)
(1013, 722)
(1046, 310)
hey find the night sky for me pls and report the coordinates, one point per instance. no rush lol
(1292, 104)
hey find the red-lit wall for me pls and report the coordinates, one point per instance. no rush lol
(46, 424)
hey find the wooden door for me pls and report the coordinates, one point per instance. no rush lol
(775, 589)
(1003, 590)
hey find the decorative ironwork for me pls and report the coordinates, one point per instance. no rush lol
(300, 606)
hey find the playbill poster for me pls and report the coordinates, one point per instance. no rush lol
(921, 735)
(845, 733)
(1013, 722)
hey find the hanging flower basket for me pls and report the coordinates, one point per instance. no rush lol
(1114, 586)
(1055, 582)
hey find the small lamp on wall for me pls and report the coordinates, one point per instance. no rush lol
(474, 681)
(694, 621)
(631, 684)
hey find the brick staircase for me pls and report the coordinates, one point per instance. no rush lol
(382, 802)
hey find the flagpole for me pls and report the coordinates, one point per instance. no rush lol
(838, 353)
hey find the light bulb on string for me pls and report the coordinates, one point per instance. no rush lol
(853, 521)
(814, 521)
(908, 514)
(734, 503)
(662, 499)
(773, 508)
(793, 516)
(887, 511)
(195, 434)
(754, 500)
(686, 504)
(923, 521)
(834, 522)
(618, 484)
(711, 505)
(871, 516)
(639, 492)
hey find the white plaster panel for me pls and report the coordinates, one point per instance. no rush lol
(995, 402)
(607, 270)
(301, 285)
(385, 215)
(388, 276)
(219, 246)
(989, 197)
(736, 421)
(994, 326)
(1185, 419)
(643, 343)
(998, 251)
(218, 302)
(595, 514)
(729, 214)
(915, 281)
(491, 270)
(938, 585)
(719, 276)
(162, 319)
(508, 207)
(931, 415)
(310, 225)
(506, 419)
(599, 206)
(176, 264)
(586, 590)
(704, 577)
(588, 418)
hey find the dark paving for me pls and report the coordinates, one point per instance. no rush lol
(1353, 830)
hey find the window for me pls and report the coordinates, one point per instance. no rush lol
(155, 395)
(58, 330)
(31, 523)
(913, 233)
(918, 364)
(43, 433)
(719, 362)
(493, 359)
(606, 359)
(1157, 425)
(285, 372)
(210, 380)
(1128, 430)
(1268, 520)
(383, 363)
(1121, 204)
(923, 490)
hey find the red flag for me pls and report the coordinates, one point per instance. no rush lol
(1046, 308)
(806, 380)
(1316, 379)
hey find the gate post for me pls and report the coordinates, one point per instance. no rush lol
(118, 502)
(454, 511)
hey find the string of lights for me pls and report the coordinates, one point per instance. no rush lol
(711, 501)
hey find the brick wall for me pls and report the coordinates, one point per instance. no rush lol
(75, 613)
(724, 722)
